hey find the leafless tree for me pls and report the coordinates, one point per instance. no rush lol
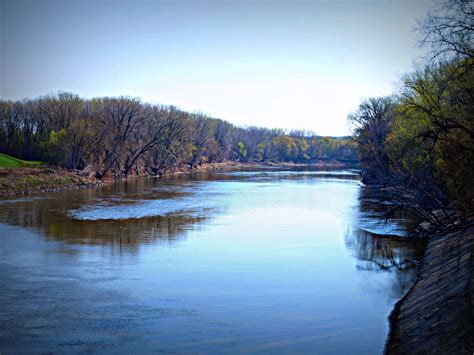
(160, 127)
(370, 124)
(448, 30)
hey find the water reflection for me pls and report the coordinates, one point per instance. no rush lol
(378, 240)
(377, 252)
(381, 217)
(395, 255)
(108, 216)
(128, 214)
(143, 210)
(243, 261)
(123, 233)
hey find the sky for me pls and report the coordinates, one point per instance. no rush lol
(286, 64)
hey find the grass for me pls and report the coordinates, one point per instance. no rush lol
(7, 161)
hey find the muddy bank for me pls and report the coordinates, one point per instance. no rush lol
(23, 181)
(437, 315)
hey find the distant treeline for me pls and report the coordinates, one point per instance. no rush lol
(419, 143)
(121, 135)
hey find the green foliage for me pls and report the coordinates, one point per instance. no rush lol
(241, 151)
(122, 135)
(262, 151)
(404, 143)
(54, 147)
(428, 143)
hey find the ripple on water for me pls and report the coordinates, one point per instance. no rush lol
(142, 209)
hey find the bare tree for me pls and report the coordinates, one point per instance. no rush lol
(201, 135)
(161, 126)
(119, 117)
(10, 113)
(371, 123)
(448, 31)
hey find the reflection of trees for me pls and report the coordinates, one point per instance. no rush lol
(398, 255)
(281, 174)
(121, 234)
(126, 233)
(379, 252)
(375, 211)
(49, 214)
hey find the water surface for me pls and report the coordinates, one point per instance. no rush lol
(245, 261)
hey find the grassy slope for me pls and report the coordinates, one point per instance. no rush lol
(7, 161)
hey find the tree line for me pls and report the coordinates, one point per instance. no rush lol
(419, 142)
(119, 136)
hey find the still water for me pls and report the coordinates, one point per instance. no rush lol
(269, 261)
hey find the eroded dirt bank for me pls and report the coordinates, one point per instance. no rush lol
(18, 182)
(437, 315)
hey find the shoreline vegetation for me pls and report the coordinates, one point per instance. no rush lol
(15, 182)
(86, 142)
(117, 137)
(417, 147)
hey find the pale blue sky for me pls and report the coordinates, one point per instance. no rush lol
(287, 64)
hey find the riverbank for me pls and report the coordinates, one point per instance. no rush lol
(23, 181)
(437, 315)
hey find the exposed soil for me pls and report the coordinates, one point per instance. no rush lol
(24, 181)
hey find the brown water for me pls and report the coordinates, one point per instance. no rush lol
(248, 261)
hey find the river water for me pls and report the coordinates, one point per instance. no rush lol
(265, 261)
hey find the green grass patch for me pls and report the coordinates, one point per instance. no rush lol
(7, 161)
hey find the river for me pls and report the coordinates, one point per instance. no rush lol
(264, 261)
